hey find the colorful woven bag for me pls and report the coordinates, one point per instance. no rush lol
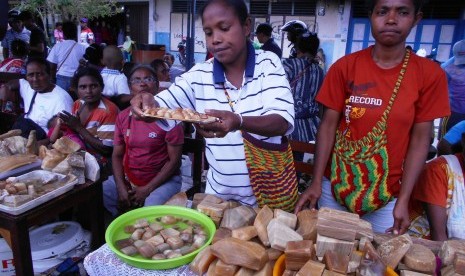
(272, 173)
(271, 170)
(360, 168)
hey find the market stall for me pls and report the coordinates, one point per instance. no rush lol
(37, 185)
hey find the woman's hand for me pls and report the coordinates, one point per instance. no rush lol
(71, 121)
(138, 194)
(309, 198)
(401, 218)
(141, 102)
(123, 199)
(228, 121)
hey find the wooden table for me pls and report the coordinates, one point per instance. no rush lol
(88, 197)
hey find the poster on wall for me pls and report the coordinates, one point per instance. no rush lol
(178, 32)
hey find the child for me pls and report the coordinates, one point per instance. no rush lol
(246, 89)
(56, 129)
(116, 83)
(16, 63)
(380, 106)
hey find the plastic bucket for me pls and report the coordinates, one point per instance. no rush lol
(7, 267)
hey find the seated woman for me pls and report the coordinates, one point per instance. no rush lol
(437, 204)
(146, 159)
(42, 99)
(93, 117)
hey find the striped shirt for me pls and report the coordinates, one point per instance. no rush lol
(101, 123)
(11, 35)
(265, 90)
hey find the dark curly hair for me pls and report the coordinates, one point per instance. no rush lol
(87, 71)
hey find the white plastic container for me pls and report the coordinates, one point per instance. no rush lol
(6, 259)
(51, 244)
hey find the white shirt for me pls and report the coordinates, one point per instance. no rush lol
(45, 105)
(115, 83)
(265, 90)
(58, 55)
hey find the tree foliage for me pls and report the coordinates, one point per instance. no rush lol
(71, 9)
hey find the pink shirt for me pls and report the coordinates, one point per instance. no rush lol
(147, 143)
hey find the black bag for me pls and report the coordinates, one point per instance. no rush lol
(26, 125)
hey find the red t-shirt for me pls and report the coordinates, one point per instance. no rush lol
(432, 184)
(356, 86)
(147, 143)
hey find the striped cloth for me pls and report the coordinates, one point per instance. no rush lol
(308, 83)
(101, 123)
(265, 90)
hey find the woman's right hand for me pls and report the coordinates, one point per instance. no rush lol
(309, 197)
(140, 102)
(123, 199)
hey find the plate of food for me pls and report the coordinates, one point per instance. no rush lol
(159, 237)
(180, 114)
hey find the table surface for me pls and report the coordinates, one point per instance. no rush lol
(88, 197)
(104, 262)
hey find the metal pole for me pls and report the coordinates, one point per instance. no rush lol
(191, 35)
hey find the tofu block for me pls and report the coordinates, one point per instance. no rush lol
(313, 268)
(336, 262)
(279, 234)
(264, 216)
(298, 253)
(307, 220)
(393, 250)
(325, 243)
(420, 258)
(287, 218)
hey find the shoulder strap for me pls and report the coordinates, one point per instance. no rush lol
(67, 55)
(32, 102)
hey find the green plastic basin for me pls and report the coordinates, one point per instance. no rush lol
(116, 232)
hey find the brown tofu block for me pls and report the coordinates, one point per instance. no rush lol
(331, 273)
(420, 258)
(325, 243)
(306, 221)
(244, 233)
(202, 261)
(288, 272)
(334, 229)
(264, 216)
(266, 270)
(224, 269)
(273, 254)
(221, 233)
(449, 249)
(312, 268)
(211, 268)
(449, 271)
(363, 228)
(336, 262)
(298, 253)
(459, 263)
(393, 250)
(244, 271)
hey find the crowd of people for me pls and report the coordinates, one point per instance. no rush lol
(371, 115)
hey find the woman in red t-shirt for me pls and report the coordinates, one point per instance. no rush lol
(146, 159)
(380, 106)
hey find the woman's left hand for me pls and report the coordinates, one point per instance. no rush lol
(70, 120)
(227, 122)
(401, 218)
